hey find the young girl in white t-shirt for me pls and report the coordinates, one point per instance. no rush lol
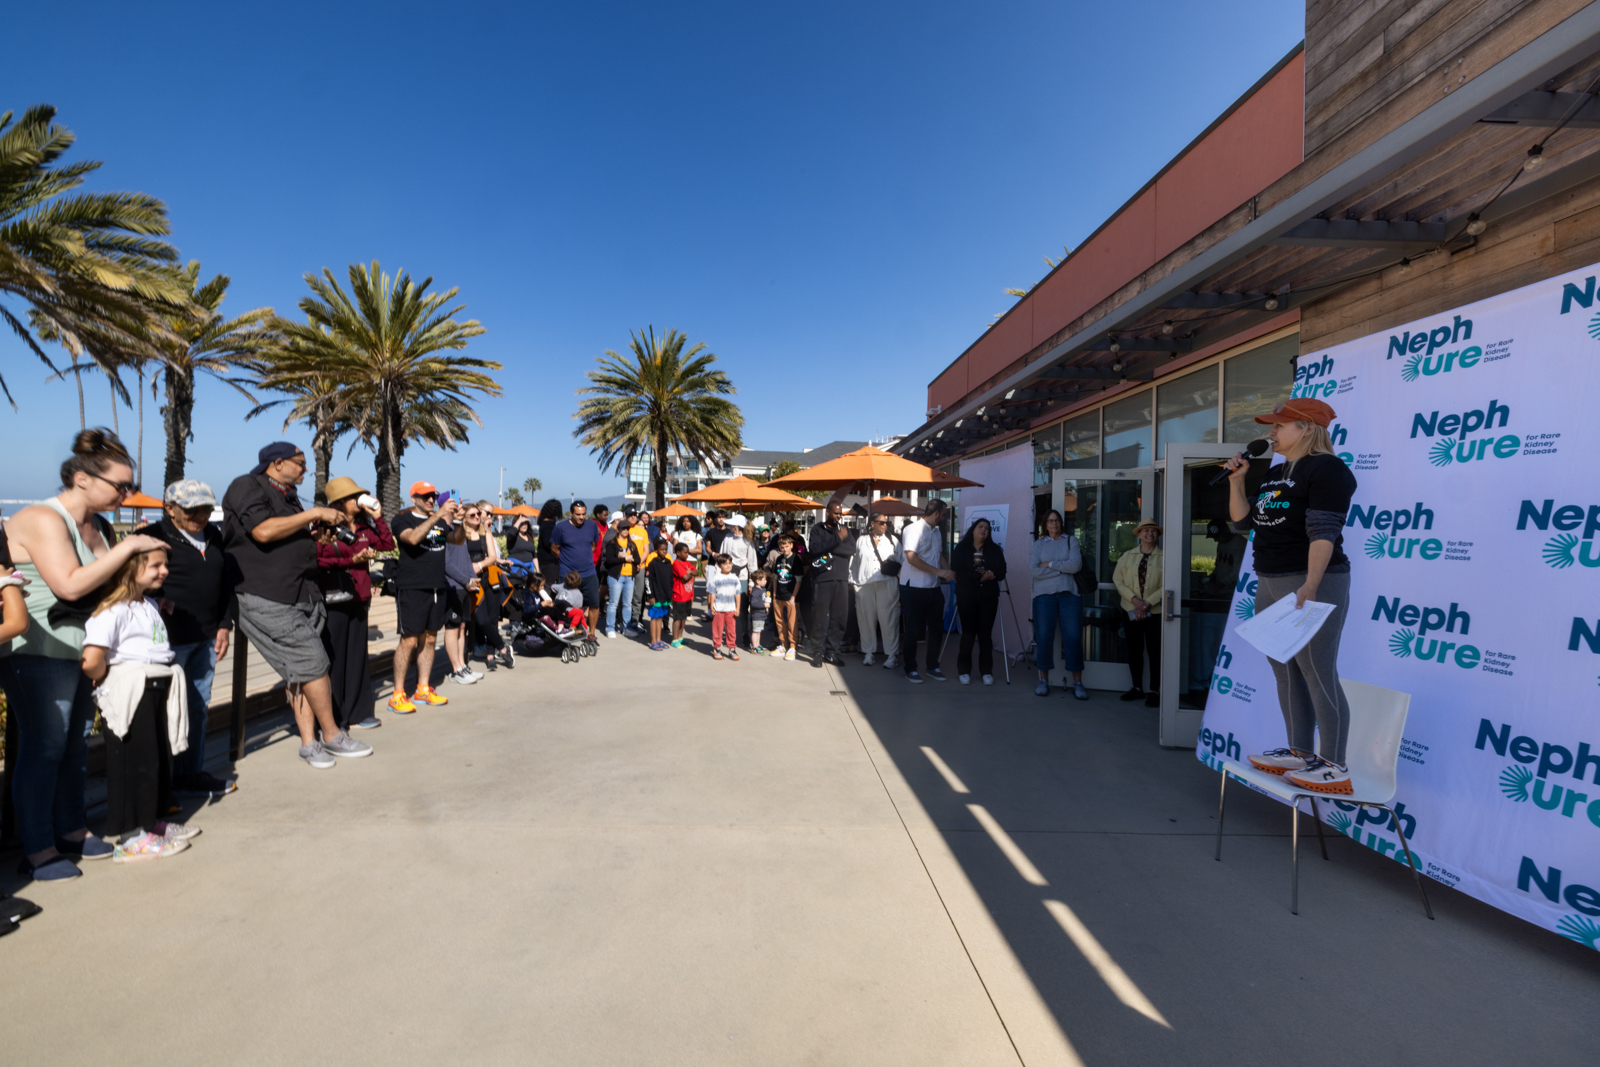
(127, 655)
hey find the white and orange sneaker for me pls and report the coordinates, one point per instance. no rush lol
(1322, 776)
(426, 695)
(1280, 761)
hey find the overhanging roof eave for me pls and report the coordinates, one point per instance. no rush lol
(1540, 59)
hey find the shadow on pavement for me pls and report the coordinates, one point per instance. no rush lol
(1121, 833)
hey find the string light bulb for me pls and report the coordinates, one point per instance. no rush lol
(1271, 304)
(1535, 158)
(1116, 346)
(1475, 225)
(1166, 328)
(1117, 366)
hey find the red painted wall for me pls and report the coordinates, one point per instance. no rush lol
(1260, 142)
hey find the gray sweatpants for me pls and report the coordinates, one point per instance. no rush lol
(1308, 685)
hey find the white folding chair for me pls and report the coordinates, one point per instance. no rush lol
(1377, 722)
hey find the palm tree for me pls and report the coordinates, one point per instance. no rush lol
(533, 486)
(382, 346)
(88, 266)
(514, 497)
(662, 399)
(214, 344)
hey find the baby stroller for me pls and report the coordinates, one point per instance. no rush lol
(532, 630)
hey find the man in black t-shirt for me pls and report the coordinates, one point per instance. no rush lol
(421, 590)
(267, 534)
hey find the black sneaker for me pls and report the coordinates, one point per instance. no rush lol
(913, 677)
(203, 785)
(1133, 694)
(937, 675)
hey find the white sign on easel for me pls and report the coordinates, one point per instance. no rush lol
(997, 514)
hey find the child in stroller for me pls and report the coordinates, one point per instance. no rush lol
(546, 623)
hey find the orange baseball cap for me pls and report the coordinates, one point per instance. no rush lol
(1300, 410)
(424, 488)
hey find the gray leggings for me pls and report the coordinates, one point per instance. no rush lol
(1308, 685)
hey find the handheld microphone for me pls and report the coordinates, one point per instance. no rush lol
(1258, 447)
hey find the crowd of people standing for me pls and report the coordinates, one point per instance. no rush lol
(134, 627)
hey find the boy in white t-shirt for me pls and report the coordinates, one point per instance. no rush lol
(723, 593)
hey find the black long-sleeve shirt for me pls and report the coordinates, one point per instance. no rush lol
(837, 547)
(967, 561)
(199, 585)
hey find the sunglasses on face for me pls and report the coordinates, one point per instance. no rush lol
(121, 487)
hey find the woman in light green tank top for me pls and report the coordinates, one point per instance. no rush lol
(60, 547)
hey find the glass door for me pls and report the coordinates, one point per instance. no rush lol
(1201, 556)
(1101, 508)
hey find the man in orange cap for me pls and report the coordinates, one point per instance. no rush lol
(422, 592)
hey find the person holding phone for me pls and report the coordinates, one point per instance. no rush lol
(1298, 520)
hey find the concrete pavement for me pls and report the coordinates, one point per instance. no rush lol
(655, 858)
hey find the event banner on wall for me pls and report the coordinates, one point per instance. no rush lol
(1474, 540)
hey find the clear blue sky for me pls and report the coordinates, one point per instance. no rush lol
(831, 196)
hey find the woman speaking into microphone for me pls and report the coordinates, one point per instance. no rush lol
(1298, 520)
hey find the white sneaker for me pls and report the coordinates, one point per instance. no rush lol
(988, 679)
(868, 661)
(778, 652)
(788, 656)
(1280, 761)
(611, 634)
(965, 679)
(1323, 776)
(465, 677)
(891, 663)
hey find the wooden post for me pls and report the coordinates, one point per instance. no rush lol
(241, 667)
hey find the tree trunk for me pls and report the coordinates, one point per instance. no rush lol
(659, 462)
(176, 416)
(386, 464)
(83, 422)
(322, 441)
(116, 423)
(140, 476)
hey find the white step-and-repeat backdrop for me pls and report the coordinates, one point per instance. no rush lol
(1474, 540)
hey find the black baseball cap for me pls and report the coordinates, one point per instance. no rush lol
(275, 451)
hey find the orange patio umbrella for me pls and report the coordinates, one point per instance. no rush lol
(139, 500)
(745, 491)
(873, 466)
(672, 511)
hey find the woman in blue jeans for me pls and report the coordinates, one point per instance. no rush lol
(64, 549)
(1054, 563)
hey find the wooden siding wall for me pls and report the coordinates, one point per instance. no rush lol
(1547, 239)
(1363, 54)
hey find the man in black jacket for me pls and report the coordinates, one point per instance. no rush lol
(197, 606)
(828, 574)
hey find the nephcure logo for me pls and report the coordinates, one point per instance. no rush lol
(1417, 350)
(1391, 523)
(1417, 621)
(1564, 549)
(1465, 448)
(1314, 379)
(1580, 898)
(1571, 294)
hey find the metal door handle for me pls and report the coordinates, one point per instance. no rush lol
(1167, 613)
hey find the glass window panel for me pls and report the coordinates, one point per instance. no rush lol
(1127, 432)
(1046, 453)
(1080, 441)
(1255, 383)
(1186, 410)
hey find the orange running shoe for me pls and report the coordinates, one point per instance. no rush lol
(426, 695)
(400, 705)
